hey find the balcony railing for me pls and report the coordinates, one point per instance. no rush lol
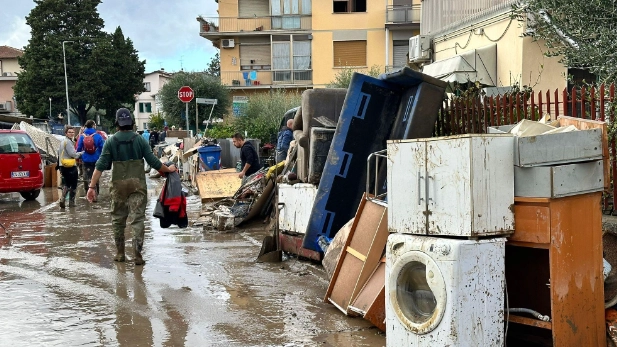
(269, 23)
(266, 77)
(404, 14)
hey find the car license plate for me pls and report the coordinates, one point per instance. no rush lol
(17, 174)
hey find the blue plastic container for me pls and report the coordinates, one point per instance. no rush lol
(211, 156)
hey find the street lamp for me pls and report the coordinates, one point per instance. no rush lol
(66, 84)
(49, 107)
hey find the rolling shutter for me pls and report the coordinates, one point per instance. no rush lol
(349, 53)
(254, 55)
(253, 8)
(400, 51)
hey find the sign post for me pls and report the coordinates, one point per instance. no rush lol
(198, 101)
(185, 94)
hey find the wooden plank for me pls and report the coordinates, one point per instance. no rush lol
(530, 321)
(356, 254)
(585, 124)
(532, 200)
(217, 184)
(368, 236)
(370, 302)
(577, 288)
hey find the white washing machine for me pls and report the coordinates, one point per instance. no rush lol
(444, 291)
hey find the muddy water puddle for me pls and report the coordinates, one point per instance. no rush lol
(61, 287)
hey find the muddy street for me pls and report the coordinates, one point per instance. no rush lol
(61, 287)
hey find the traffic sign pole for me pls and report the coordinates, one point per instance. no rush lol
(185, 94)
(187, 117)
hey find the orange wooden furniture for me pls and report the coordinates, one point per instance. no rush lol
(554, 266)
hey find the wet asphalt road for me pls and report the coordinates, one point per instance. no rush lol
(59, 285)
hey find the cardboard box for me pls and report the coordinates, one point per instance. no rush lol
(51, 176)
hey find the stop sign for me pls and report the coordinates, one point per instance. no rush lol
(185, 94)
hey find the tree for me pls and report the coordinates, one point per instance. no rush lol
(204, 86)
(580, 32)
(156, 120)
(264, 112)
(96, 63)
(343, 77)
(214, 67)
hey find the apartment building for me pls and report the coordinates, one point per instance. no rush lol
(479, 41)
(302, 44)
(9, 67)
(147, 103)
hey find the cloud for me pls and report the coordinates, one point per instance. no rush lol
(165, 33)
(18, 33)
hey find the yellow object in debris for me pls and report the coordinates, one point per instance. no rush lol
(278, 168)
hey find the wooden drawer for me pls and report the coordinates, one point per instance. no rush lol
(532, 223)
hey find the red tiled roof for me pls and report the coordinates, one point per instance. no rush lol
(10, 52)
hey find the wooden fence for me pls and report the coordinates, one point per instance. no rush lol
(464, 115)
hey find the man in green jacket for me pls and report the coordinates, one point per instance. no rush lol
(126, 150)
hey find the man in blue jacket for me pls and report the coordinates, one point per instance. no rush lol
(282, 143)
(91, 144)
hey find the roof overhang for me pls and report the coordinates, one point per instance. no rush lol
(476, 65)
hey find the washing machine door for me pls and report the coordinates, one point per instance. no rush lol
(417, 292)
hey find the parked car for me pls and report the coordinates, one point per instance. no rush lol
(21, 168)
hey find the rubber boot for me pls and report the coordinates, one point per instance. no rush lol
(72, 194)
(139, 260)
(120, 251)
(62, 201)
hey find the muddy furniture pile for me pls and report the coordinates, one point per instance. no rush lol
(500, 230)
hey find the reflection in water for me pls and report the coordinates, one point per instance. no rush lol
(133, 327)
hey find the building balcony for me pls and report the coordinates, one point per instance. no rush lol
(213, 27)
(403, 16)
(267, 78)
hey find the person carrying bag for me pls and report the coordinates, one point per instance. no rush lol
(68, 167)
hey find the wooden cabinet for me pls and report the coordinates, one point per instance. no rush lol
(554, 266)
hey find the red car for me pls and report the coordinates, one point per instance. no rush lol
(21, 168)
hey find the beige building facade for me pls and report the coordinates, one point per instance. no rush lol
(303, 44)
(485, 27)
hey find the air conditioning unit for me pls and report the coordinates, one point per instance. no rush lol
(3, 107)
(419, 49)
(7, 74)
(227, 43)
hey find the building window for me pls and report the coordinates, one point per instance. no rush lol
(145, 107)
(147, 86)
(344, 6)
(145, 126)
(349, 53)
(291, 58)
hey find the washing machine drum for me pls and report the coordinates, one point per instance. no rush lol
(417, 292)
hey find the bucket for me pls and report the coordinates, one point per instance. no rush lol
(210, 156)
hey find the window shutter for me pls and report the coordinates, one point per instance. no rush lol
(254, 55)
(253, 8)
(349, 53)
(400, 54)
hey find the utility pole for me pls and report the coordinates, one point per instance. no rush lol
(66, 84)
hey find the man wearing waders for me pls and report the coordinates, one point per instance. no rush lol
(126, 151)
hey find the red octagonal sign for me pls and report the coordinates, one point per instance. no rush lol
(185, 94)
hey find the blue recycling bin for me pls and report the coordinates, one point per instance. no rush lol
(210, 156)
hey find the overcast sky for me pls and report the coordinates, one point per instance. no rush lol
(164, 32)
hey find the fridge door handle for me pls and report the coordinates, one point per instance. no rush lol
(420, 178)
(427, 189)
